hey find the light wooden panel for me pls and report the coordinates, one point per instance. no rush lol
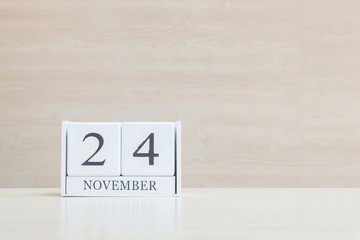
(268, 91)
(200, 213)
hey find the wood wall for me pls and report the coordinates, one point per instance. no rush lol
(268, 91)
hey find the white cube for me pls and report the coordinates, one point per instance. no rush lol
(148, 149)
(93, 149)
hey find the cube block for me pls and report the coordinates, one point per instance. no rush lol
(121, 159)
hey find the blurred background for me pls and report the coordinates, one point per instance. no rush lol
(268, 92)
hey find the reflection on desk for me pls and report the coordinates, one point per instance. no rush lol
(119, 215)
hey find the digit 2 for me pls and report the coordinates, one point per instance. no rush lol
(151, 153)
(101, 143)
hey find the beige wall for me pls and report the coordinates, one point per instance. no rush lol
(268, 91)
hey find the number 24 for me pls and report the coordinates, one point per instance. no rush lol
(151, 154)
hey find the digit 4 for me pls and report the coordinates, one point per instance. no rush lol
(151, 155)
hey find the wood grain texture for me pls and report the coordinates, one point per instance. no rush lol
(268, 91)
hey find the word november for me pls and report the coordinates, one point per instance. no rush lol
(119, 185)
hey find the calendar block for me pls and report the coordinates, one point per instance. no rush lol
(93, 149)
(121, 159)
(148, 149)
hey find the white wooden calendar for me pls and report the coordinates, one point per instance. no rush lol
(121, 159)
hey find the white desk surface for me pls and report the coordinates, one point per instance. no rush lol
(202, 213)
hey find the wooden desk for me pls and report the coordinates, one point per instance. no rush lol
(199, 214)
